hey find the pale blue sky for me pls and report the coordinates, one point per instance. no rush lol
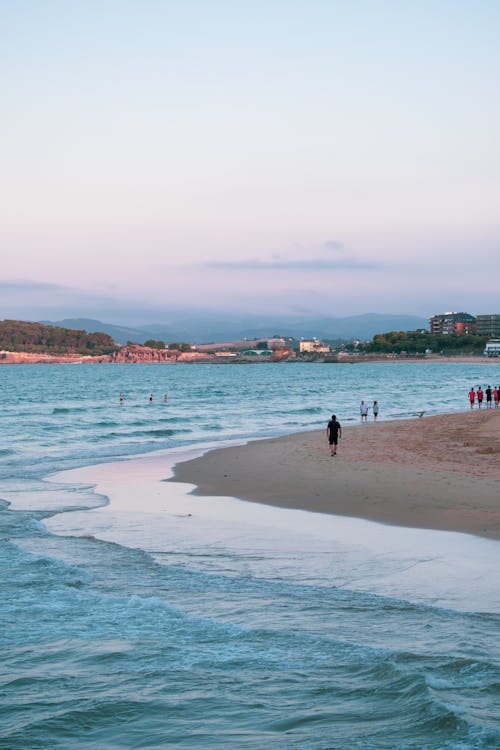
(341, 157)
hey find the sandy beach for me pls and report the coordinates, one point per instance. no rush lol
(438, 472)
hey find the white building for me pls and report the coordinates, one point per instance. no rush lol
(314, 346)
(492, 348)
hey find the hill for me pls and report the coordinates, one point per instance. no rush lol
(120, 334)
(23, 336)
(204, 327)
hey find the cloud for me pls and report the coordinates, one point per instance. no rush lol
(24, 293)
(33, 300)
(30, 286)
(308, 264)
(326, 256)
(334, 246)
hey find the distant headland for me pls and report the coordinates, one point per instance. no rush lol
(23, 342)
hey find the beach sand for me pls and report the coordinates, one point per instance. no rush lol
(440, 472)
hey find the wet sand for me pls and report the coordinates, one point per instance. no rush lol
(439, 472)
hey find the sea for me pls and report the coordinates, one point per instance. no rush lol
(192, 622)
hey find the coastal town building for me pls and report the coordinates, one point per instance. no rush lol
(488, 325)
(492, 348)
(257, 353)
(452, 323)
(315, 346)
(272, 343)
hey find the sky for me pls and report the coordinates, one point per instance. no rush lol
(316, 156)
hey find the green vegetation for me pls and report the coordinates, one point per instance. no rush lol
(180, 346)
(21, 336)
(417, 342)
(155, 344)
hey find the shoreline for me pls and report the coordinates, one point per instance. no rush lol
(146, 505)
(225, 534)
(438, 472)
(36, 358)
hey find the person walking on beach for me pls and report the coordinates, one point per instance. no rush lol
(480, 395)
(363, 410)
(472, 397)
(375, 410)
(333, 433)
(488, 397)
(496, 395)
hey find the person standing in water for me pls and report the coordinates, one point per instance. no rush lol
(121, 399)
(150, 398)
(333, 433)
(363, 410)
(375, 410)
(472, 397)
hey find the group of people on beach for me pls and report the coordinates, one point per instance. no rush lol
(363, 411)
(334, 429)
(492, 396)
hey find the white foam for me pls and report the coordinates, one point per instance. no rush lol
(224, 534)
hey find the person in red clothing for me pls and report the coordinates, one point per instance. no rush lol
(472, 397)
(496, 396)
(480, 396)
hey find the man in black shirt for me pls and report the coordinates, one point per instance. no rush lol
(488, 397)
(333, 433)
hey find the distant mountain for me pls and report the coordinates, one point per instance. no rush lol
(365, 326)
(204, 327)
(120, 334)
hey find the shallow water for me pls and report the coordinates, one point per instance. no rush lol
(229, 630)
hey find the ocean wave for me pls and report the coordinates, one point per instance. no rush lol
(161, 420)
(220, 655)
(173, 420)
(67, 409)
(160, 432)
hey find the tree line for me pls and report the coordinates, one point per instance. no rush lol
(154, 344)
(22, 336)
(417, 342)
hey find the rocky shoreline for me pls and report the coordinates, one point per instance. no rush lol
(137, 353)
(130, 354)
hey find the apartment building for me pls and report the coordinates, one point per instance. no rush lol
(488, 325)
(452, 323)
